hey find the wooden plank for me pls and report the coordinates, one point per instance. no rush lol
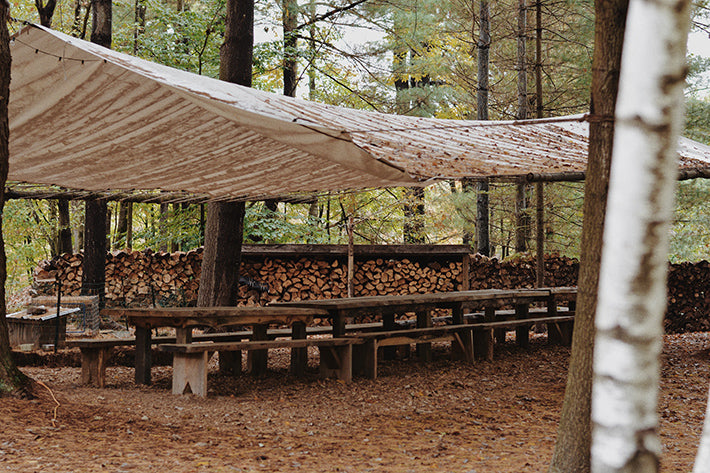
(424, 352)
(257, 359)
(362, 251)
(93, 365)
(522, 332)
(190, 373)
(299, 355)
(143, 355)
(198, 347)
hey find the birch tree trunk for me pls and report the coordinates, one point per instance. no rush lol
(702, 460)
(632, 284)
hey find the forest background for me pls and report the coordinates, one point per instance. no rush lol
(415, 57)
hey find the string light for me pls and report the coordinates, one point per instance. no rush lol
(15, 39)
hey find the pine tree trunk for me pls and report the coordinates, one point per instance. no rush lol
(634, 266)
(96, 221)
(483, 239)
(225, 220)
(290, 23)
(65, 245)
(124, 213)
(12, 381)
(574, 436)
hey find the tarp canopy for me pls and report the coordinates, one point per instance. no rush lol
(85, 117)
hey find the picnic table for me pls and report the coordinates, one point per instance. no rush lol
(184, 319)
(387, 306)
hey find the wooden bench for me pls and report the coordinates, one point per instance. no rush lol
(468, 340)
(96, 352)
(190, 359)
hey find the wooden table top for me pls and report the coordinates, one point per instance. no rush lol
(182, 317)
(434, 299)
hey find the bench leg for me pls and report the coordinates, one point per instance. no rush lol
(257, 359)
(337, 361)
(93, 366)
(462, 346)
(483, 344)
(388, 325)
(230, 362)
(424, 352)
(143, 355)
(299, 356)
(365, 359)
(190, 373)
(522, 332)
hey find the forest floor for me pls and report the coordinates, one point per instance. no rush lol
(496, 417)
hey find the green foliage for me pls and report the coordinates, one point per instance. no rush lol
(697, 120)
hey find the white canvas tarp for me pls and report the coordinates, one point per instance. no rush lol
(85, 117)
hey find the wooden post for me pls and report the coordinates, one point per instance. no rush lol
(522, 332)
(351, 257)
(143, 355)
(424, 352)
(257, 359)
(540, 257)
(299, 356)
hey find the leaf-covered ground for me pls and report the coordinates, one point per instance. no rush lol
(498, 416)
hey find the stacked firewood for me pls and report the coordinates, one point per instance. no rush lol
(144, 277)
(491, 273)
(688, 298)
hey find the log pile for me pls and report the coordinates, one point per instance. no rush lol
(513, 273)
(143, 278)
(688, 298)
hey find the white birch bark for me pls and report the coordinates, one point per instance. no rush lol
(702, 460)
(632, 287)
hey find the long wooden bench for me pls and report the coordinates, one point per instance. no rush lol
(468, 340)
(96, 352)
(190, 359)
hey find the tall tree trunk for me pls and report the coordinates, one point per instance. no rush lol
(521, 219)
(540, 109)
(290, 25)
(483, 245)
(101, 22)
(94, 262)
(634, 266)
(124, 222)
(46, 11)
(96, 211)
(12, 381)
(413, 207)
(163, 227)
(572, 450)
(139, 24)
(65, 244)
(225, 220)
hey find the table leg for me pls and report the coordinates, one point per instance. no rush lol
(388, 325)
(257, 359)
(337, 319)
(424, 349)
(183, 335)
(143, 355)
(465, 350)
(299, 356)
(484, 339)
(522, 332)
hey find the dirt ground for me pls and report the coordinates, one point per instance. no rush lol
(498, 416)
